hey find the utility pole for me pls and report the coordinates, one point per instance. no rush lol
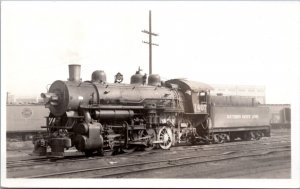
(150, 42)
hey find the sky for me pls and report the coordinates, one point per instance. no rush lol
(231, 42)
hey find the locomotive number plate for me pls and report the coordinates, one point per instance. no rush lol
(200, 108)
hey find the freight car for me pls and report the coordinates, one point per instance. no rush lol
(95, 116)
(280, 115)
(23, 121)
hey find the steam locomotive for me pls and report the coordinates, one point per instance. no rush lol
(96, 116)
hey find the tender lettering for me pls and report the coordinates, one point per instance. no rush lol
(242, 116)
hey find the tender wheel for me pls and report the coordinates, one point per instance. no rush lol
(216, 139)
(247, 136)
(219, 138)
(252, 135)
(165, 135)
(257, 135)
(227, 137)
(222, 138)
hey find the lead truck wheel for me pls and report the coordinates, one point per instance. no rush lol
(165, 135)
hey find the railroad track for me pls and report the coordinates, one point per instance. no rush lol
(132, 168)
(47, 161)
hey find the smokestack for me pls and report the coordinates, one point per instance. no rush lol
(74, 72)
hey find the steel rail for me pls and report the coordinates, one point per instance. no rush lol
(178, 164)
(162, 161)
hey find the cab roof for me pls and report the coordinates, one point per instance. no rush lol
(195, 86)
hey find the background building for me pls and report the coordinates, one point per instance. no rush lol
(10, 98)
(258, 92)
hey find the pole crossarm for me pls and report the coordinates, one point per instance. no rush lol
(150, 43)
(145, 31)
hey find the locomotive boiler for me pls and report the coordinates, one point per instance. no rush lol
(96, 116)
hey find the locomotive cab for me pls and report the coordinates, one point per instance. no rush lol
(196, 95)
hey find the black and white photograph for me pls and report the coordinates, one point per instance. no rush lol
(150, 94)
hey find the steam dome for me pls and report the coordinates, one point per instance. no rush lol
(99, 76)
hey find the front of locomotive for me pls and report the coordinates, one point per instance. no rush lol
(68, 125)
(66, 96)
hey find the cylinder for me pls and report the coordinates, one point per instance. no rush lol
(74, 72)
(84, 143)
(91, 141)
